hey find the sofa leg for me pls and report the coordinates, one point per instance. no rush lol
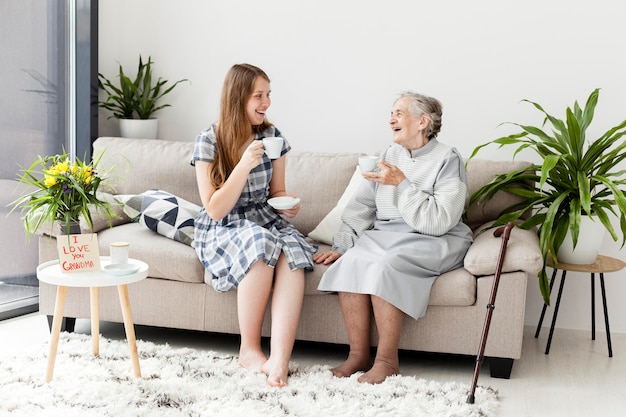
(500, 367)
(66, 326)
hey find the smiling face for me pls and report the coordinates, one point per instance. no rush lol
(408, 130)
(259, 101)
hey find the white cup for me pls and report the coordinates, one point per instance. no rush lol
(119, 253)
(367, 163)
(273, 146)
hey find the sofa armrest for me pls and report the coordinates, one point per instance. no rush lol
(522, 253)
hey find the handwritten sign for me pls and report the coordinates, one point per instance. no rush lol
(78, 253)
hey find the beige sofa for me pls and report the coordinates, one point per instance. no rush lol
(178, 294)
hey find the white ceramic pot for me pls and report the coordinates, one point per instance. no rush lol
(590, 239)
(139, 128)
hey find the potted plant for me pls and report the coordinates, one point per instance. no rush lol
(136, 99)
(578, 177)
(62, 190)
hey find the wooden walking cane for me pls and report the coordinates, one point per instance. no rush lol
(505, 232)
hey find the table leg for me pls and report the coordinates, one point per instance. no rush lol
(129, 327)
(95, 320)
(606, 316)
(593, 306)
(59, 306)
(556, 312)
(543, 310)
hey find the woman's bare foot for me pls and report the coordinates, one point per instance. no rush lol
(355, 363)
(379, 372)
(252, 359)
(276, 372)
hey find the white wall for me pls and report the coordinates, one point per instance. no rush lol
(336, 67)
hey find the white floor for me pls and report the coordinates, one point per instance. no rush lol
(577, 378)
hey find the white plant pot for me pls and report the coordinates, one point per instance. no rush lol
(590, 240)
(139, 128)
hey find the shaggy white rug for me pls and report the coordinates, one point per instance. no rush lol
(195, 383)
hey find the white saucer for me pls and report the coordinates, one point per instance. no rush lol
(121, 269)
(283, 203)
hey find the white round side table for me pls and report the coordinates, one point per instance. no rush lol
(50, 272)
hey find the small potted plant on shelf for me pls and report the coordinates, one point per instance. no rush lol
(62, 191)
(577, 182)
(134, 102)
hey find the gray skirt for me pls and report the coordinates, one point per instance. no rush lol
(397, 264)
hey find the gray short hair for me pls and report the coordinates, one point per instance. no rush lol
(420, 104)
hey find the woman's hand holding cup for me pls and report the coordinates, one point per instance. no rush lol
(252, 155)
(387, 174)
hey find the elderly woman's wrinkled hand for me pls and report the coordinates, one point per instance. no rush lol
(387, 174)
(326, 258)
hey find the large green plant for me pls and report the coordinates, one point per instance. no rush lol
(577, 176)
(138, 98)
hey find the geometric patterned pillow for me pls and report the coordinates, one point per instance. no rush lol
(163, 213)
(131, 205)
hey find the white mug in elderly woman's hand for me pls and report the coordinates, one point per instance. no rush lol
(367, 163)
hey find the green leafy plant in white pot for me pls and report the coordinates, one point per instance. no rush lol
(134, 102)
(578, 181)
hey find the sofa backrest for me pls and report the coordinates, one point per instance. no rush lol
(318, 179)
(136, 165)
(480, 172)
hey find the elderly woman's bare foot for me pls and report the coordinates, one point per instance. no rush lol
(276, 372)
(352, 365)
(252, 360)
(379, 372)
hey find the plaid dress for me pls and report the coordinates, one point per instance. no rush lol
(252, 230)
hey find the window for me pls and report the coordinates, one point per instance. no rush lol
(48, 70)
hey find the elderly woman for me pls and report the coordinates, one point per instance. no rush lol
(400, 231)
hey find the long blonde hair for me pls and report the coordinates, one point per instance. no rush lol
(233, 127)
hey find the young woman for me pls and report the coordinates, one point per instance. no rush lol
(240, 239)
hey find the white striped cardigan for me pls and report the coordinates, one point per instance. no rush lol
(431, 199)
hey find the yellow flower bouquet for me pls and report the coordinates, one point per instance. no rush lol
(63, 191)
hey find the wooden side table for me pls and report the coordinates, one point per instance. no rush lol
(50, 272)
(603, 264)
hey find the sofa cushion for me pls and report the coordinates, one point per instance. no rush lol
(330, 224)
(163, 213)
(454, 288)
(166, 258)
(522, 252)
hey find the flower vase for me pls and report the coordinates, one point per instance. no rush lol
(71, 228)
